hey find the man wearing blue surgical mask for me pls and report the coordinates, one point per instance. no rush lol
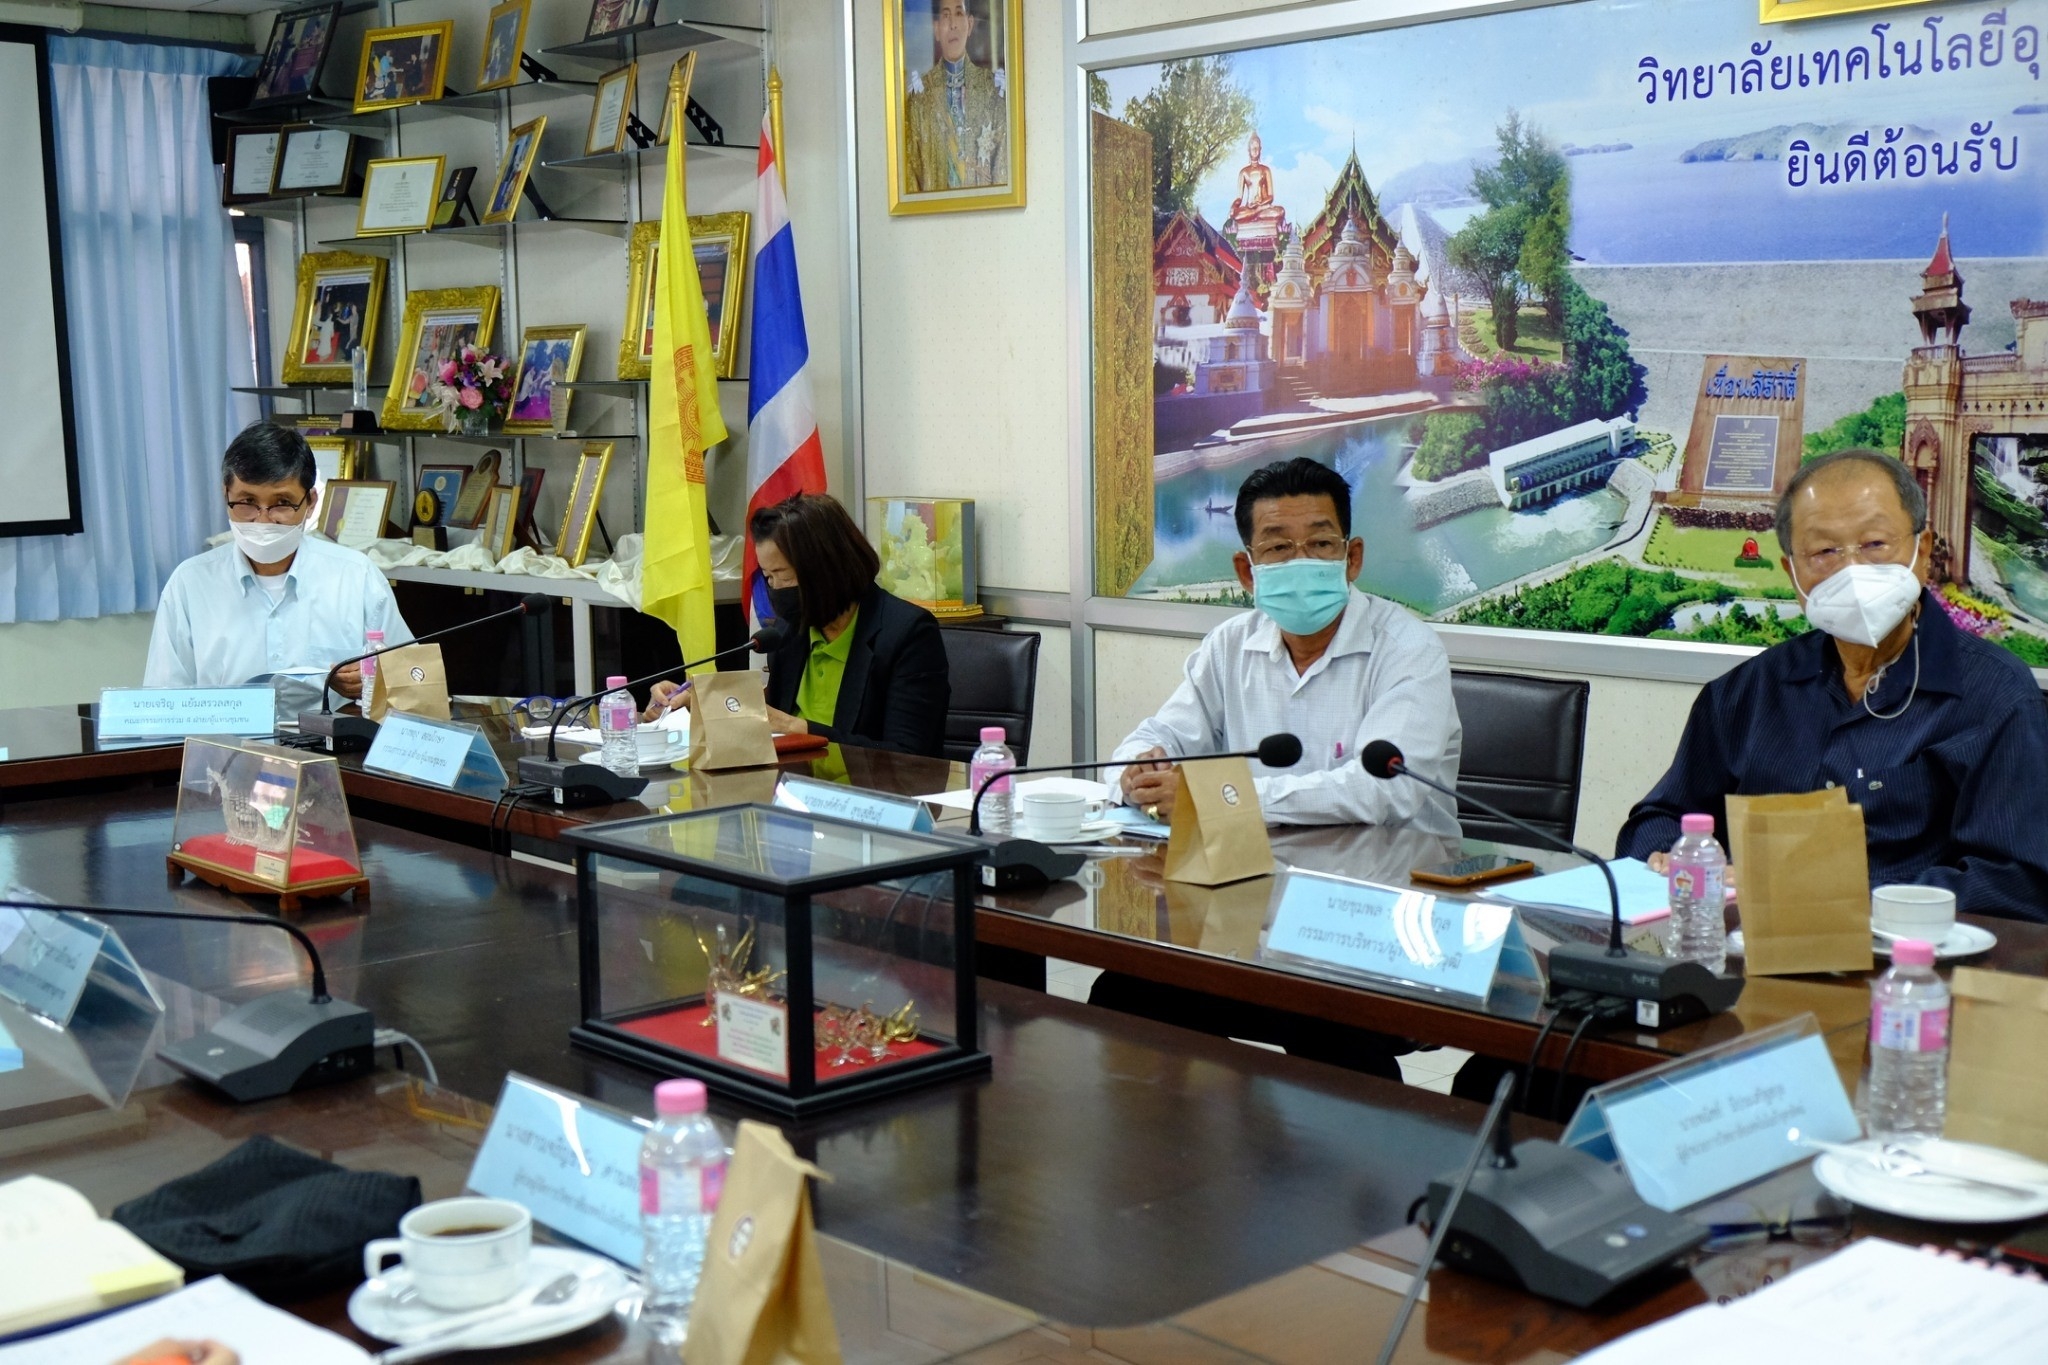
(1334, 666)
(1940, 736)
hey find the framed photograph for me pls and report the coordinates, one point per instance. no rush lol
(299, 39)
(252, 165)
(524, 532)
(453, 195)
(946, 156)
(403, 65)
(504, 40)
(607, 130)
(400, 194)
(676, 97)
(720, 243)
(618, 16)
(354, 511)
(315, 161)
(579, 518)
(521, 151)
(500, 521)
(636, 337)
(334, 457)
(444, 481)
(339, 297)
(438, 323)
(547, 357)
(473, 499)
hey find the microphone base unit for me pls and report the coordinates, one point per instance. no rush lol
(1666, 993)
(572, 783)
(1025, 864)
(339, 733)
(279, 1043)
(1561, 1224)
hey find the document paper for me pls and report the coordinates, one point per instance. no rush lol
(210, 1310)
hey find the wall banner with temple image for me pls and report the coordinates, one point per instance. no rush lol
(1568, 294)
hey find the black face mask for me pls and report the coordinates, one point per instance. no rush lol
(787, 604)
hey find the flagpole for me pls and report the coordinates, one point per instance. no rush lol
(775, 124)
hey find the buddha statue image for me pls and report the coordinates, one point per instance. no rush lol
(1254, 217)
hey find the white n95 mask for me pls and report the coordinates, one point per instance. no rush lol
(1864, 602)
(265, 542)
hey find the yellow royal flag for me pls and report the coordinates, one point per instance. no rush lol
(684, 422)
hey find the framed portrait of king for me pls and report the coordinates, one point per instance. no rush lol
(953, 77)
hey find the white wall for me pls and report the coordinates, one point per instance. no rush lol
(53, 663)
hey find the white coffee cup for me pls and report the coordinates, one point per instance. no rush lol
(1922, 912)
(461, 1253)
(1050, 817)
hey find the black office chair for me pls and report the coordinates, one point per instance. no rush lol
(994, 678)
(1525, 739)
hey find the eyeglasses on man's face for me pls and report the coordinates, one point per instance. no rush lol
(246, 509)
(1828, 559)
(1278, 549)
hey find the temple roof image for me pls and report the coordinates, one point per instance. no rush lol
(1350, 199)
(1188, 234)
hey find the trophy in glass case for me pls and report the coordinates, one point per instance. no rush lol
(262, 820)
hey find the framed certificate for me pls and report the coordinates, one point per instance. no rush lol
(579, 518)
(354, 511)
(500, 521)
(315, 161)
(252, 165)
(399, 195)
(607, 130)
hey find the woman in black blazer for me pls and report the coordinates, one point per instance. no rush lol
(860, 665)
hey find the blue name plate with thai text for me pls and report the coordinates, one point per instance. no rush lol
(438, 753)
(574, 1164)
(1414, 937)
(175, 712)
(1697, 1128)
(863, 807)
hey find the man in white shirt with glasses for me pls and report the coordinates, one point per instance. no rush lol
(270, 600)
(1334, 666)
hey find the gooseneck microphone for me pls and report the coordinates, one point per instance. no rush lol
(1666, 993)
(273, 1044)
(1275, 751)
(348, 734)
(575, 783)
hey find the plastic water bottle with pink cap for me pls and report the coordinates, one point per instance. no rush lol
(1699, 880)
(1909, 1013)
(682, 1172)
(991, 758)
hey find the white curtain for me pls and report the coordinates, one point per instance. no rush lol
(159, 333)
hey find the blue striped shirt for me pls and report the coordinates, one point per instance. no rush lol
(1950, 789)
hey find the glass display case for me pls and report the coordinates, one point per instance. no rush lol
(928, 553)
(790, 960)
(258, 819)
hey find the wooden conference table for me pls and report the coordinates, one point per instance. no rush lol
(1115, 1189)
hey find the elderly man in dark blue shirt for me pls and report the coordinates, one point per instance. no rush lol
(1941, 737)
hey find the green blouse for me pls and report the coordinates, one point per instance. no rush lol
(817, 695)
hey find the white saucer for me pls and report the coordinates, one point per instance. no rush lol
(1961, 940)
(1931, 1198)
(1093, 833)
(372, 1307)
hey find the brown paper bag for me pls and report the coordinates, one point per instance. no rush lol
(1218, 833)
(411, 680)
(762, 1299)
(1998, 1034)
(1803, 882)
(729, 722)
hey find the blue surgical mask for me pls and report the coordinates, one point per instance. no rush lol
(1302, 595)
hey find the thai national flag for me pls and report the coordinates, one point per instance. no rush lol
(784, 456)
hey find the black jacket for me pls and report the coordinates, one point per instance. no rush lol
(895, 690)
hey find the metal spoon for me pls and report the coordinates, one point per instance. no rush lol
(444, 1339)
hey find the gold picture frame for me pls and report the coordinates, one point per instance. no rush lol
(674, 99)
(611, 103)
(341, 453)
(579, 513)
(504, 43)
(547, 356)
(988, 171)
(408, 185)
(353, 503)
(636, 337)
(441, 320)
(522, 149)
(406, 64)
(340, 297)
(500, 521)
(720, 241)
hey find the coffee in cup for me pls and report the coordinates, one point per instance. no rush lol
(461, 1253)
(1922, 912)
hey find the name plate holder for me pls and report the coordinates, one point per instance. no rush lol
(1701, 1125)
(439, 753)
(50, 958)
(571, 1161)
(903, 814)
(1380, 934)
(168, 713)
